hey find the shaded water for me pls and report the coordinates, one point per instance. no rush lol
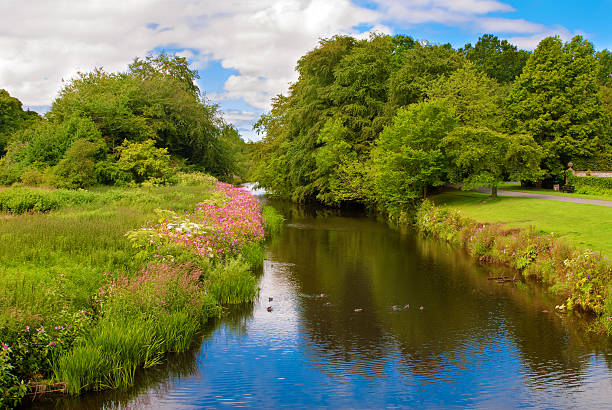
(476, 343)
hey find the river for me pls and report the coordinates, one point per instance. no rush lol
(364, 316)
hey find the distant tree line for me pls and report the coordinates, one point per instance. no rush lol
(119, 128)
(383, 121)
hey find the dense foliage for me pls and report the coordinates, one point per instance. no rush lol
(382, 121)
(119, 128)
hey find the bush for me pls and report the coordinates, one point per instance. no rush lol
(145, 162)
(11, 388)
(21, 200)
(32, 176)
(590, 185)
(77, 168)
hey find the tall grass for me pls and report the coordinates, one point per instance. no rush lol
(232, 282)
(253, 254)
(80, 304)
(273, 220)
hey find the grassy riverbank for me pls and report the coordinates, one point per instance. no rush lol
(581, 225)
(538, 238)
(112, 279)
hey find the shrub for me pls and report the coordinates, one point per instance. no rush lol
(145, 162)
(12, 389)
(77, 168)
(590, 185)
(21, 200)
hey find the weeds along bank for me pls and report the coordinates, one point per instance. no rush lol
(584, 278)
(113, 279)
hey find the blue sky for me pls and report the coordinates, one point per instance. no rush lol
(245, 50)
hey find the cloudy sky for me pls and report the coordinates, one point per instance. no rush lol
(246, 50)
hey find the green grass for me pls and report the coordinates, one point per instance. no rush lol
(513, 186)
(57, 259)
(232, 283)
(584, 226)
(79, 304)
(273, 220)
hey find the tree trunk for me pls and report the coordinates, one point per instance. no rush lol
(425, 191)
(494, 191)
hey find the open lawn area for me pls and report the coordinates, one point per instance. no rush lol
(585, 226)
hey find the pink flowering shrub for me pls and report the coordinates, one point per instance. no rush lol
(216, 229)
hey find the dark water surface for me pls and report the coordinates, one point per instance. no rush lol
(476, 343)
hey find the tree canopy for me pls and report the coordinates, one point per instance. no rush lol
(155, 102)
(382, 121)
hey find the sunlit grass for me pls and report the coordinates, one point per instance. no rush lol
(56, 259)
(585, 226)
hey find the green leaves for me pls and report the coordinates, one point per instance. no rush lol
(557, 99)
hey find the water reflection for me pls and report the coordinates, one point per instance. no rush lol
(475, 343)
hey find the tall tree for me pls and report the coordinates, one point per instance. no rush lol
(12, 118)
(419, 68)
(497, 58)
(166, 65)
(408, 158)
(605, 67)
(557, 99)
(480, 156)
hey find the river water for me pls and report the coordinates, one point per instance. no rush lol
(334, 339)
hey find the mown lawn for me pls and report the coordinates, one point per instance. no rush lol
(585, 226)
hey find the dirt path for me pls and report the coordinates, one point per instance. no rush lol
(501, 192)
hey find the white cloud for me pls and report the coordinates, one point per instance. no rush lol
(503, 25)
(43, 41)
(238, 115)
(532, 41)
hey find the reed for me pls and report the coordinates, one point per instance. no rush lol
(273, 220)
(232, 282)
(254, 255)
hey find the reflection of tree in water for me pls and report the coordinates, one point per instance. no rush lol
(360, 263)
(549, 343)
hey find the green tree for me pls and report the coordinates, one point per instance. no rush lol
(604, 57)
(418, 69)
(484, 157)
(557, 99)
(476, 98)
(168, 66)
(156, 99)
(497, 58)
(408, 157)
(12, 118)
